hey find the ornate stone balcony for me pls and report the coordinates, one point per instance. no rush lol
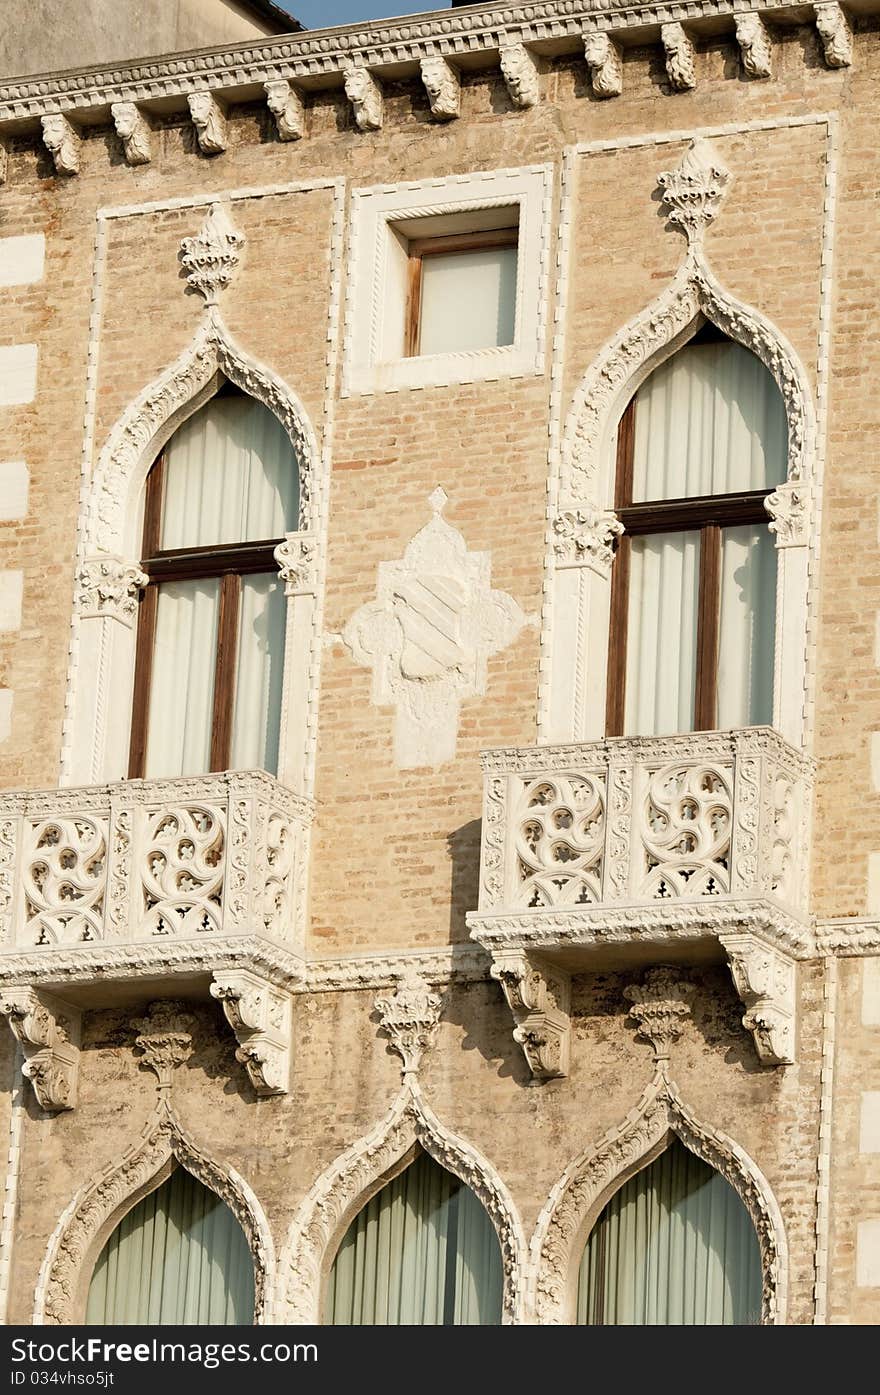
(182, 886)
(639, 850)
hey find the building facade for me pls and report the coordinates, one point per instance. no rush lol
(439, 690)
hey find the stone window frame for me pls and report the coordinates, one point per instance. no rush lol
(373, 212)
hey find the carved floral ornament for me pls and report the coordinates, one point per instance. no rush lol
(211, 257)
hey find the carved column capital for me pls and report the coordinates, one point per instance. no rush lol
(443, 86)
(660, 1003)
(765, 979)
(835, 33)
(164, 1039)
(297, 559)
(539, 996)
(286, 106)
(754, 44)
(604, 63)
(410, 1018)
(62, 142)
(108, 586)
(211, 257)
(49, 1032)
(680, 57)
(209, 119)
(584, 537)
(693, 193)
(133, 130)
(260, 1016)
(519, 69)
(789, 510)
(365, 94)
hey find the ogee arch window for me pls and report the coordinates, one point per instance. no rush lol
(210, 660)
(693, 601)
(179, 1257)
(674, 1246)
(423, 1251)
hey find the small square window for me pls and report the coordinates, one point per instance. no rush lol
(462, 292)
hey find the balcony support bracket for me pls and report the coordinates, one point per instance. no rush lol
(765, 979)
(539, 996)
(260, 1015)
(49, 1032)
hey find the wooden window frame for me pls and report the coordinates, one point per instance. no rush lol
(708, 515)
(422, 247)
(228, 563)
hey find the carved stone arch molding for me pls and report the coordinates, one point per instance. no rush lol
(362, 1170)
(99, 1206)
(588, 1183)
(108, 573)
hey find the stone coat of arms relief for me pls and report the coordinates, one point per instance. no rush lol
(428, 637)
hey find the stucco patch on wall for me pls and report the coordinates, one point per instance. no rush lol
(14, 479)
(22, 259)
(6, 697)
(868, 1254)
(11, 589)
(871, 993)
(18, 374)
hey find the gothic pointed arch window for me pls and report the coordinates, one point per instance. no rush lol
(211, 631)
(675, 1246)
(423, 1251)
(177, 1258)
(693, 601)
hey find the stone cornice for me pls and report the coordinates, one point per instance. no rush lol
(392, 48)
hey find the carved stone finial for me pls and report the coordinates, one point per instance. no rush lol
(62, 142)
(604, 63)
(754, 44)
(693, 193)
(133, 130)
(680, 57)
(164, 1039)
(286, 106)
(211, 257)
(49, 1032)
(520, 71)
(410, 1017)
(765, 980)
(365, 94)
(660, 1003)
(296, 557)
(209, 120)
(260, 1016)
(109, 585)
(789, 510)
(584, 537)
(443, 87)
(540, 999)
(836, 35)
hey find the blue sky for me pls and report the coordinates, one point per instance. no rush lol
(318, 14)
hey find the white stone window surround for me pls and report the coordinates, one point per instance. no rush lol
(376, 297)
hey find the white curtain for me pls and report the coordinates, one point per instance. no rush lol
(423, 1251)
(179, 1257)
(468, 300)
(674, 1246)
(257, 712)
(182, 687)
(748, 627)
(661, 642)
(231, 476)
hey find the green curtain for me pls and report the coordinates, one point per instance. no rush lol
(423, 1251)
(178, 1257)
(675, 1246)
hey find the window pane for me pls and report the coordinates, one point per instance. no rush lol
(231, 476)
(182, 690)
(675, 1246)
(748, 627)
(661, 651)
(468, 300)
(178, 1257)
(710, 420)
(257, 712)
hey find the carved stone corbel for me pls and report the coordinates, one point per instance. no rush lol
(297, 559)
(286, 105)
(835, 33)
(585, 537)
(789, 510)
(108, 586)
(62, 143)
(519, 68)
(765, 979)
(410, 1018)
(209, 119)
(49, 1032)
(539, 996)
(754, 44)
(443, 86)
(679, 49)
(604, 63)
(133, 130)
(365, 94)
(260, 1016)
